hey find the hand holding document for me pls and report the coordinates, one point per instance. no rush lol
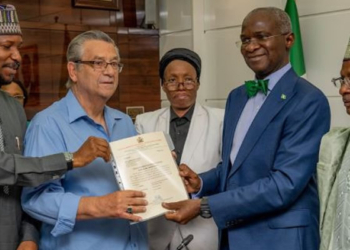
(145, 163)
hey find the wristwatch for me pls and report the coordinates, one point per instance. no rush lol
(69, 160)
(205, 209)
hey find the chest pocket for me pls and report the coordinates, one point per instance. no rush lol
(12, 134)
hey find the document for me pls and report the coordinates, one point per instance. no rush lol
(145, 163)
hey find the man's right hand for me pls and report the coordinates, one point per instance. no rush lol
(191, 179)
(92, 148)
(113, 205)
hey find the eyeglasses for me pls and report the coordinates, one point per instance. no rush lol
(101, 65)
(19, 97)
(259, 39)
(172, 84)
(340, 81)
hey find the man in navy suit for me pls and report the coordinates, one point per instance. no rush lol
(263, 195)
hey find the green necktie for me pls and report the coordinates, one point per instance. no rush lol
(253, 87)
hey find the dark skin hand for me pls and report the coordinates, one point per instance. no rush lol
(92, 148)
(184, 211)
(190, 178)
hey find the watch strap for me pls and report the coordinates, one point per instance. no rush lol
(205, 209)
(69, 160)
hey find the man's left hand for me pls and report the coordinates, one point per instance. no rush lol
(183, 211)
(27, 245)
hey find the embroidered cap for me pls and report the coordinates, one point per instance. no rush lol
(347, 52)
(9, 24)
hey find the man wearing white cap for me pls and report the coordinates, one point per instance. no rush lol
(333, 173)
(16, 171)
(344, 81)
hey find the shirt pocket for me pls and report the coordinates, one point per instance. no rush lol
(13, 144)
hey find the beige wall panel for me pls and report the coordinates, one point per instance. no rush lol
(310, 7)
(175, 40)
(215, 103)
(324, 43)
(174, 15)
(230, 13)
(223, 65)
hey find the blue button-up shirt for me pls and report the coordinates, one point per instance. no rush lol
(62, 127)
(251, 109)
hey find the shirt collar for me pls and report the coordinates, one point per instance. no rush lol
(277, 75)
(188, 114)
(76, 111)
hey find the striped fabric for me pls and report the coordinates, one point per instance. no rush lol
(9, 24)
(347, 52)
(333, 174)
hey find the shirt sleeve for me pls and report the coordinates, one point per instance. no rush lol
(138, 125)
(29, 229)
(30, 171)
(14, 168)
(49, 202)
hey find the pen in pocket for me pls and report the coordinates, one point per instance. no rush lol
(18, 143)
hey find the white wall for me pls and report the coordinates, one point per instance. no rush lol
(211, 27)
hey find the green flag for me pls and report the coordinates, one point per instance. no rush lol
(296, 53)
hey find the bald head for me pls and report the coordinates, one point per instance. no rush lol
(281, 18)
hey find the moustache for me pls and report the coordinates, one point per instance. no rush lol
(14, 65)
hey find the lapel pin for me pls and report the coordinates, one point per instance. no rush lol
(283, 97)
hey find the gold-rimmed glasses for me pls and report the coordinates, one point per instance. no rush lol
(340, 81)
(259, 39)
(172, 84)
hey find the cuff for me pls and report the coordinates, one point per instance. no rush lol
(66, 215)
(199, 194)
(29, 229)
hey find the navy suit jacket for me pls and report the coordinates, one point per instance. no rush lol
(268, 198)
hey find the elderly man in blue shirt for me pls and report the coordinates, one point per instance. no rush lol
(85, 209)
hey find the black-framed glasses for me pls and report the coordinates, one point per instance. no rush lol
(19, 97)
(101, 65)
(340, 81)
(259, 39)
(172, 84)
